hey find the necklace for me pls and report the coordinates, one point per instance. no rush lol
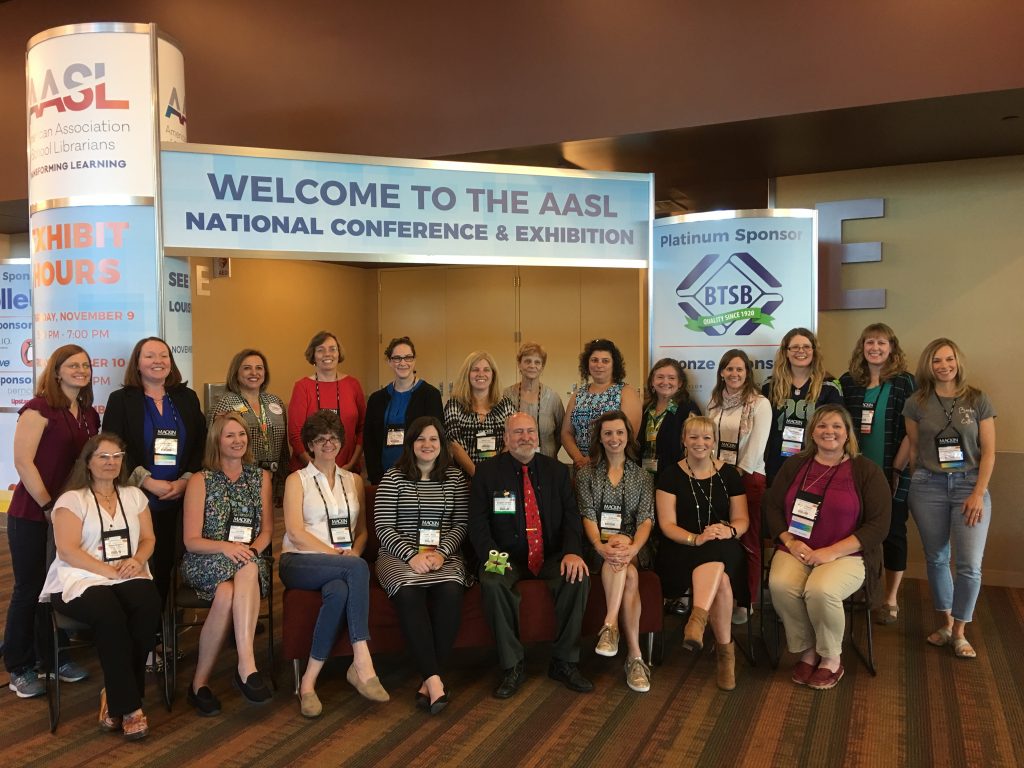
(708, 497)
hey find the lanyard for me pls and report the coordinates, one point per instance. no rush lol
(99, 517)
(948, 414)
(519, 399)
(344, 493)
(829, 472)
(153, 415)
(718, 426)
(419, 506)
(337, 393)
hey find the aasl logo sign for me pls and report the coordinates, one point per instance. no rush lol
(721, 293)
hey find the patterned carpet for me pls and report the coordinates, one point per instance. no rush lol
(925, 708)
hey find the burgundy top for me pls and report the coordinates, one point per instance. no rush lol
(839, 513)
(344, 397)
(59, 446)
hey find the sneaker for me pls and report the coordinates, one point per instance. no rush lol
(70, 672)
(27, 684)
(607, 641)
(740, 615)
(638, 675)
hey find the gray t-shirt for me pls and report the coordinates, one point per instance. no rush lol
(931, 423)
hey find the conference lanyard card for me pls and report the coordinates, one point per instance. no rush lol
(165, 448)
(486, 445)
(867, 418)
(395, 436)
(792, 438)
(115, 545)
(950, 452)
(505, 504)
(243, 534)
(728, 452)
(429, 535)
(651, 465)
(340, 532)
(804, 513)
(611, 521)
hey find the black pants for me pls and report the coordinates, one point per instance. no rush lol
(124, 618)
(430, 617)
(168, 548)
(27, 542)
(501, 605)
(894, 548)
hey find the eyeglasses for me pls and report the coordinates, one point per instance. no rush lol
(396, 359)
(110, 456)
(799, 348)
(78, 366)
(322, 441)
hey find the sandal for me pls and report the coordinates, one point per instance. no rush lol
(886, 614)
(962, 649)
(939, 637)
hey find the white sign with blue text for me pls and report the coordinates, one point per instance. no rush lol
(730, 279)
(238, 202)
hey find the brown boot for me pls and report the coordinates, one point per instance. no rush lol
(693, 635)
(726, 669)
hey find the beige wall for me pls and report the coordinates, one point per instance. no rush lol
(953, 265)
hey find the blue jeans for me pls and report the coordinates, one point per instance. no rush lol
(344, 585)
(936, 502)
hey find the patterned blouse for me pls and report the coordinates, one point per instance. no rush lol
(268, 431)
(475, 436)
(548, 413)
(588, 407)
(634, 495)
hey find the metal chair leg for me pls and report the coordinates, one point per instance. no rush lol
(298, 674)
(649, 642)
(53, 693)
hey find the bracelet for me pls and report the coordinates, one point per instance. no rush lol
(693, 540)
(255, 554)
(731, 528)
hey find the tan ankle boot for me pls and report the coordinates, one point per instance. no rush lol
(693, 635)
(726, 668)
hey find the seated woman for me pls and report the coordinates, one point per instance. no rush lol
(616, 499)
(829, 510)
(228, 523)
(421, 512)
(325, 534)
(104, 538)
(702, 512)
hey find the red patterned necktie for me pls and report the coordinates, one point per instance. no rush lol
(534, 534)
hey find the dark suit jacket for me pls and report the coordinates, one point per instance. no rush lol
(125, 415)
(425, 401)
(560, 519)
(669, 445)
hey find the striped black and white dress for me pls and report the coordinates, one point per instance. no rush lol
(397, 509)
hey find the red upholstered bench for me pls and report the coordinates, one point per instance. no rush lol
(537, 614)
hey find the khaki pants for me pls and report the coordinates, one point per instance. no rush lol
(810, 600)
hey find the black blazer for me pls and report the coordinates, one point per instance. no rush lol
(560, 519)
(125, 415)
(669, 446)
(425, 401)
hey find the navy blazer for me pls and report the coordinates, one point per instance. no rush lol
(424, 401)
(125, 415)
(560, 519)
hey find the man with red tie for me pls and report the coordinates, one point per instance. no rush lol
(522, 503)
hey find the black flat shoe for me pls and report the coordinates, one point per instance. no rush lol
(510, 682)
(254, 689)
(439, 703)
(422, 701)
(204, 701)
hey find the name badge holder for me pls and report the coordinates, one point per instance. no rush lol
(949, 449)
(728, 452)
(505, 504)
(165, 448)
(651, 465)
(395, 436)
(867, 418)
(486, 445)
(340, 532)
(804, 513)
(115, 543)
(611, 520)
(792, 437)
(242, 526)
(429, 537)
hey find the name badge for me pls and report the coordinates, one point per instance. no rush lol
(429, 536)
(950, 452)
(240, 533)
(804, 514)
(792, 439)
(340, 532)
(114, 545)
(486, 444)
(165, 448)
(728, 452)
(867, 418)
(395, 436)
(505, 505)
(651, 465)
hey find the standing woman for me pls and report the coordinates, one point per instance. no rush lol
(532, 397)
(616, 499)
(702, 512)
(875, 389)
(743, 419)
(393, 408)
(829, 512)
(667, 405)
(264, 414)
(228, 522)
(603, 372)
(327, 388)
(952, 430)
(325, 535)
(474, 416)
(797, 386)
(104, 538)
(52, 428)
(159, 419)
(421, 512)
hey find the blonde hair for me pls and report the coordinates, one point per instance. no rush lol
(782, 376)
(211, 456)
(896, 364)
(926, 376)
(850, 446)
(462, 393)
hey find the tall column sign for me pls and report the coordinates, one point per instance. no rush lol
(730, 279)
(100, 98)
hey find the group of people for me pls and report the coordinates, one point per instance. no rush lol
(473, 490)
